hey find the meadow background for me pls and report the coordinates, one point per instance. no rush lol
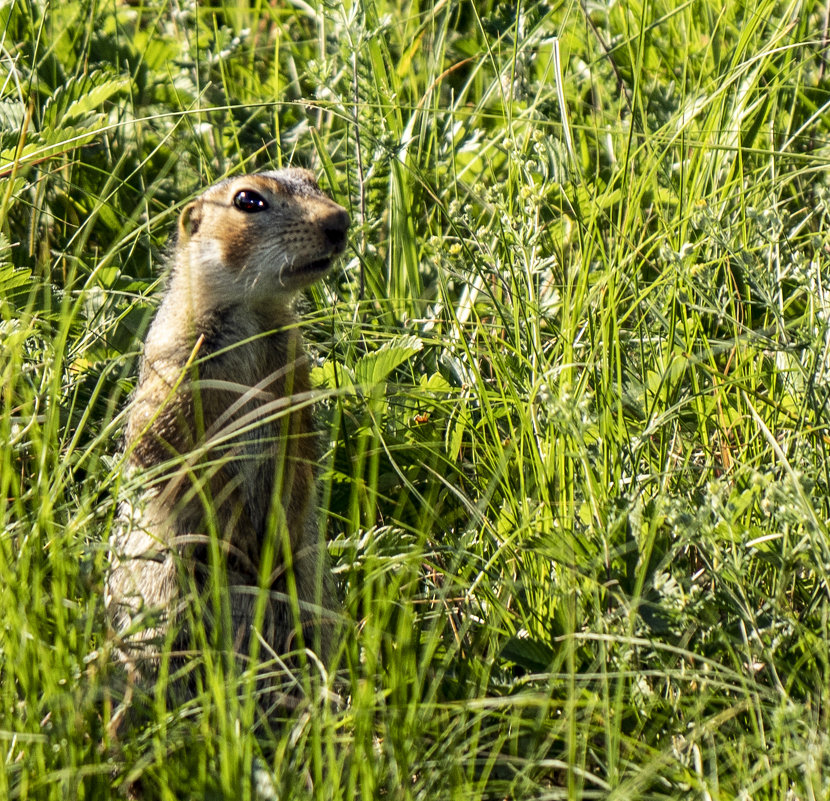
(573, 373)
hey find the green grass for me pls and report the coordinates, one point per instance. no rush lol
(574, 380)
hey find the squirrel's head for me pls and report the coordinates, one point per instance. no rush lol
(260, 236)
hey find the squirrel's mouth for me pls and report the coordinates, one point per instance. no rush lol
(317, 266)
(302, 273)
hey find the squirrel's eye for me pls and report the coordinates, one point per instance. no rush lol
(249, 201)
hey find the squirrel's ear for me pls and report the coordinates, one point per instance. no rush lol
(189, 220)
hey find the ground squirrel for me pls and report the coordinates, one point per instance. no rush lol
(220, 431)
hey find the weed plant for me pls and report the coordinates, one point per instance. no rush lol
(573, 383)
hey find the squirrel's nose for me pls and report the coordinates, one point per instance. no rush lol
(335, 227)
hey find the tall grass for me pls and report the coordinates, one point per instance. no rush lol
(573, 380)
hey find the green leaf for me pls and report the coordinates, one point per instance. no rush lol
(5, 249)
(80, 97)
(40, 148)
(373, 368)
(331, 375)
(12, 278)
(529, 653)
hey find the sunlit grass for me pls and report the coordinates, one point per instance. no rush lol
(573, 391)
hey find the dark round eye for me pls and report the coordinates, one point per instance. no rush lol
(249, 201)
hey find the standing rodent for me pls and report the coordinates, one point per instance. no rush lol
(220, 434)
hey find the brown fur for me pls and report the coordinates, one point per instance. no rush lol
(220, 433)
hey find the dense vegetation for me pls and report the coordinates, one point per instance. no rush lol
(573, 372)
